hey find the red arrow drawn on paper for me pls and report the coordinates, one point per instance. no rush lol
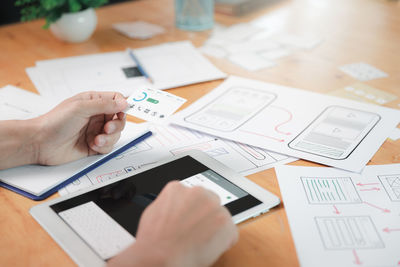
(388, 230)
(371, 189)
(336, 210)
(357, 259)
(379, 208)
(360, 184)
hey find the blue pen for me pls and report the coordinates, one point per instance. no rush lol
(79, 174)
(139, 66)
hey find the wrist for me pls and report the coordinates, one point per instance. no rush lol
(20, 140)
(140, 254)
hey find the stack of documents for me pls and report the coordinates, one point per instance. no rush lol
(253, 46)
(167, 65)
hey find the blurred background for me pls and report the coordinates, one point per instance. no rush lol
(9, 13)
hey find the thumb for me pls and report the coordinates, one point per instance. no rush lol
(103, 105)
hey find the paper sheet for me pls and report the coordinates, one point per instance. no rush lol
(340, 218)
(172, 140)
(153, 105)
(19, 104)
(37, 179)
(176, 64)
(169, 65)
(364, 93)
(138, 29)
(363, 71)
(325, 129)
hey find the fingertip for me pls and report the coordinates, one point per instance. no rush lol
(99, 141)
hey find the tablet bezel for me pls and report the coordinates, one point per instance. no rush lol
(83, 255)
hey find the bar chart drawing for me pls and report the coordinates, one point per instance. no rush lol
(330, 190)
(353, 232)
(391, 183)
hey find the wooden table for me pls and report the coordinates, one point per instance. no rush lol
(353, 31)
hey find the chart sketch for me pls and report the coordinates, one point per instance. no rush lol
(232, 109)
(391, 183)
(174, 140)
(352, 232)
(336, 132)
(330, 190)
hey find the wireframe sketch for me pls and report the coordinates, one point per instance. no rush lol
(330, 190)
(336, 132)
(391, 183)
(232, 109)
(142, 146)
(352, 232)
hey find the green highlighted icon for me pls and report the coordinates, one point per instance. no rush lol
(151, 100)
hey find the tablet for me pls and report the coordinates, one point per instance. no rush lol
(95, 224)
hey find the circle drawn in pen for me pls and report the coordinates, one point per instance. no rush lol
(141, 99)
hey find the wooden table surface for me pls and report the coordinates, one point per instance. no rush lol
(353, 31)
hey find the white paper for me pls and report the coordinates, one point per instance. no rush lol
(173, 140)
(176, 64)
(98, 229)
(395, 135)
(276, 53)
(363, 71)
(325, 129)
(298, 41)
(339, 218)
(214, 51)
(37, 179)
(153, 105)
(19, 104)
(138, 29)
(169, 65)
(251, 61)
(58, 79)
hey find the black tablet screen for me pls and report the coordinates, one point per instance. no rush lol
(125, 200)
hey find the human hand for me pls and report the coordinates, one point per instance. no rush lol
(182, 227)
(83, 125)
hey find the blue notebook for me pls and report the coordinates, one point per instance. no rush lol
(39, 182)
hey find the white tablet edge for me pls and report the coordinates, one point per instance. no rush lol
(83, 255)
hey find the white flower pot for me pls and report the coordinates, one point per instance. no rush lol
(75, 27)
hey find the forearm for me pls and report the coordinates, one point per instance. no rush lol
(137, 255)
(18, 142)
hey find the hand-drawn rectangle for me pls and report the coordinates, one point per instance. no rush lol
(330, 190)
(352, 232)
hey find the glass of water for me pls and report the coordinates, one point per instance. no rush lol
(194, 15)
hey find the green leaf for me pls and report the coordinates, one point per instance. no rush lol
(74, 5)
(26, 2)
(50, 4)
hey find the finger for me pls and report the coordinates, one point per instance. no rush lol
(101, 103)
(209, 194)
(114, 126)
(121, 116)
(103, 143)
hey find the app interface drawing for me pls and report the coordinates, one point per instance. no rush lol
(210, 180)
(232, 109)
(336, 132)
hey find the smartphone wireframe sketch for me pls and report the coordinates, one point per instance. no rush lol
(336, 132)
(232, 109)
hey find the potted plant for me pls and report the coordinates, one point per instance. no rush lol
(69, 20)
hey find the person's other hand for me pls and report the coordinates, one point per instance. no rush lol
(182, 227)
(83, 125)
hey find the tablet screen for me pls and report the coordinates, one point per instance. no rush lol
(107, 218)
